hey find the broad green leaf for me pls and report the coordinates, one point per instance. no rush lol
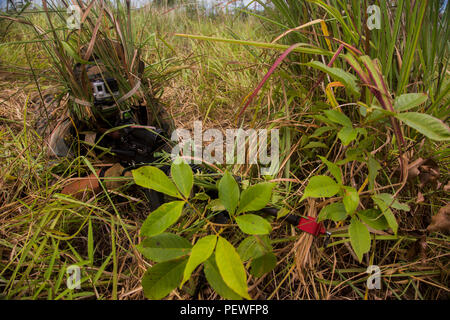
(338, 117)
(374, 167)
(256, 197)
(201, 251)
(253, 247)
(315, 144)
(231, 268)
(323, 119)
(201, 196)
(282, 212)
(374, 219)
(361, 131)
(320, 186)
(357, 151)
(351, 199)
(162, 218)
(162, 278)
(390, 218)
(400, 206)
(216, 282)
(333, 168)
(164, 247)
(263, 264)
(409, 101)
(216, 205)
(359, 237)
(319, 131)
(347, 135)
(155, 179)
(392, 202)
(338, 74)
(229, 192)
(429, 126)
(388, 214)
(182, 176)
(335, 211)
(253, 224)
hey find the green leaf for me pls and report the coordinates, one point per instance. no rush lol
(216, 205)
(255, 197)
(335, 211)
(231, 268)
(229, 192)
(388, 214)
(155, 179)
(253, 247)
(72, 53)
(319, 131)
(253, 224)
(162, 218)
(201, 251)
(390, 218)
(374, 167)
(374, 219)
(359, 237)
(347, 135)
(320, 186)
(164, 247)
(263, 264)
(182, 176)
(162, 278)
(429, 126)
(282, 212)
(346, 78)
(390, 201)
(351, 199)
(201, 196)
(216, 282)
(338, 117)
(315, 144)
(361, 131)
(333, 168)
(323, 119)
(409, 101)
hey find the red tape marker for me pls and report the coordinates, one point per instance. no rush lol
(310, 225)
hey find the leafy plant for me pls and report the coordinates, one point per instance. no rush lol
(380, 218)
(177, 259)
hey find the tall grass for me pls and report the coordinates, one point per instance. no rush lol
(407, 46)
(43, 232)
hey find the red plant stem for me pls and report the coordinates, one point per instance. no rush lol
(339, 50)
(336, 54)
(266, 77)
(276, 64)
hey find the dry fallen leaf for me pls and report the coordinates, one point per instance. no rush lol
(447, 187)
(429, 172)
(420, 197)
(115, 171)
(413, 168)
(418, 248)
(80, 187)
(441, 221)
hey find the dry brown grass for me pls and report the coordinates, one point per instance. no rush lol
(305, 269)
